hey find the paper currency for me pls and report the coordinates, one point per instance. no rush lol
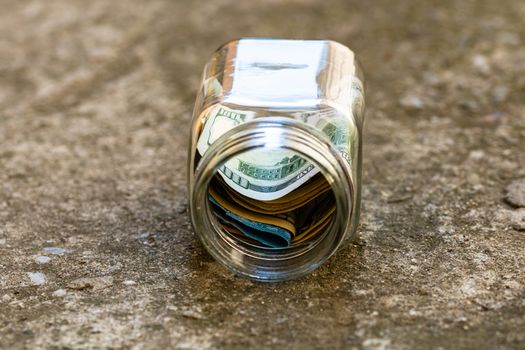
(266, 174)
(267, 234)
(281, 223)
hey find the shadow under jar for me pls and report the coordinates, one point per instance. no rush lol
(275, 155)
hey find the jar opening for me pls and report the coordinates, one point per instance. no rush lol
(268, 238)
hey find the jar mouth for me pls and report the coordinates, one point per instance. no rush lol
(259, 263)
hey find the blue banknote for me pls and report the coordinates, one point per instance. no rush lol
(269, 235)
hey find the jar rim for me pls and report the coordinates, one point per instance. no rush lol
(274, 133)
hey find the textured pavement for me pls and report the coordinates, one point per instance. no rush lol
(96, 250)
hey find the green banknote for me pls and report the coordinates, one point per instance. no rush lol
(272, 174)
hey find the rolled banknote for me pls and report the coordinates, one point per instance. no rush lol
(266, 174)
(281, 223)
(264, 233)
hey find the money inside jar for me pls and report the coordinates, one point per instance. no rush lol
(271, 199)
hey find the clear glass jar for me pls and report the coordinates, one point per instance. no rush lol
(300, 102)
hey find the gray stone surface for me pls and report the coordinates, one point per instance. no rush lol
(516, 193)
(95, 104)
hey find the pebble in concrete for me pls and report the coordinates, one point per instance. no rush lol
(59, 293)
(412, 101)
(54, 250)
(515, 195)
(37, 278)
(42, 259)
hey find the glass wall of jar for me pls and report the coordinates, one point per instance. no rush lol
(275, 155)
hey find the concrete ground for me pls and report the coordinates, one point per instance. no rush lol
(96, 250)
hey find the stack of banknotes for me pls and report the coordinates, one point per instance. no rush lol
(271, 199)
(292, 219)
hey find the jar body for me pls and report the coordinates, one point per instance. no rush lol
(266, 98)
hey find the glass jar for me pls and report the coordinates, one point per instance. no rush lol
(275, 155)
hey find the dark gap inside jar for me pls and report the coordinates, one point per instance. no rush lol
(298, 218)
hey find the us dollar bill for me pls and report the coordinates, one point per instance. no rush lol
(271, 174)
(281, 223)
(267, 234)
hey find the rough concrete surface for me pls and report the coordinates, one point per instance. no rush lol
(96, 250)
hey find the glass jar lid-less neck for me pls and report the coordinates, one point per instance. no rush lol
(262, 263)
